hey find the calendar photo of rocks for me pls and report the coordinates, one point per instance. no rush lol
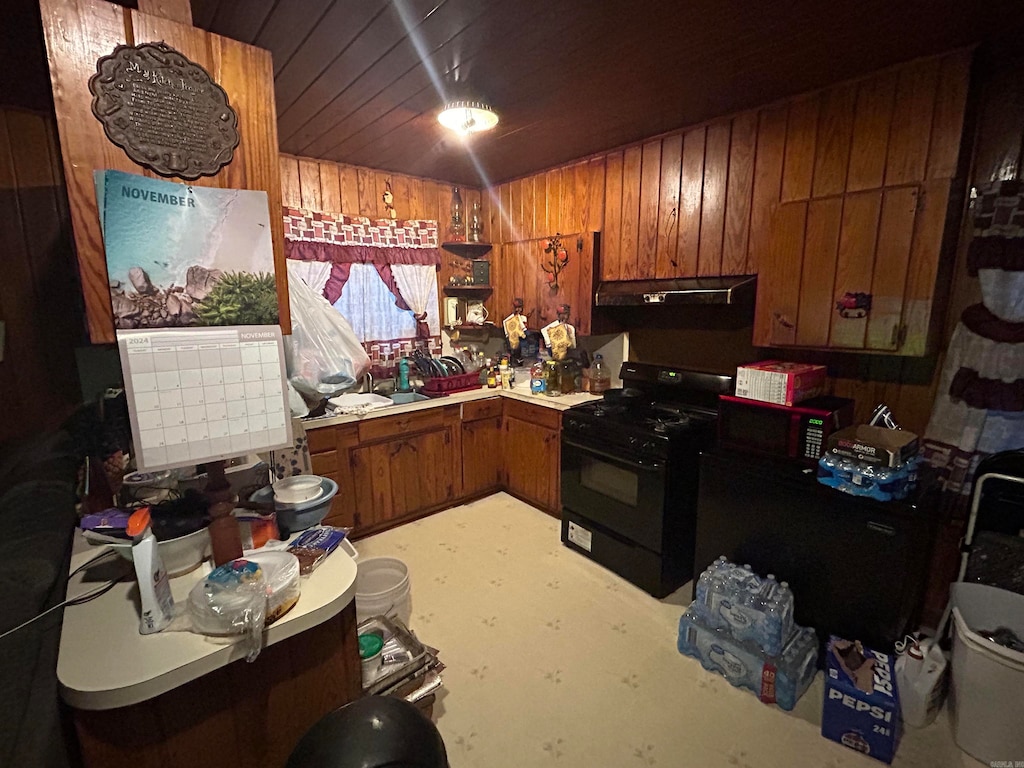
(180, 256)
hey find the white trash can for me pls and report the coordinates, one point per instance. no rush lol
(987, 693)
(382, 589)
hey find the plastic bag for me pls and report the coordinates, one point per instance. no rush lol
(324, 353)
(244, 596)
(921, 681)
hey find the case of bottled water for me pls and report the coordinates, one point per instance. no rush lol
(780, 679)
(754, 609)
(877, 482)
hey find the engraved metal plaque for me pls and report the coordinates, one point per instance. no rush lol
(164, 111)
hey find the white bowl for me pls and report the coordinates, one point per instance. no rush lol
(179, 555)
(297, 489)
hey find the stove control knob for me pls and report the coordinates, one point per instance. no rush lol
(649, 446)
(633, 442)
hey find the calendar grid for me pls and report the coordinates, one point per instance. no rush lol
(202, 394)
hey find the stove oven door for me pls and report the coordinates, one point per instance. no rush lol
(625, 494)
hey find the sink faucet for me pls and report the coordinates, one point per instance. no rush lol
(367, 382)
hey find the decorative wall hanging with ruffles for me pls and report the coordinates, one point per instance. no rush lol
(979, 408)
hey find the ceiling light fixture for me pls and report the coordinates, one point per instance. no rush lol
(466, 117)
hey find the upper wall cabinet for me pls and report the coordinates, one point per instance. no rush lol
(865, 203)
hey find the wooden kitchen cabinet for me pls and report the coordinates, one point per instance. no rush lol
(390, 468)
(531, 453)
(857, 238)
(481, 447)
(329, 449)
(854, 272)
(516, 272)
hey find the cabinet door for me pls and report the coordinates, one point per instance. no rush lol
(855, 272)
(481, 456)
(531, 463)
(397, 478)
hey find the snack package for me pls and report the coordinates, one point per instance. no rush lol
(313, 545)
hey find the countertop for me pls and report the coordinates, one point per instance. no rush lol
(105, 663)
(521, 392)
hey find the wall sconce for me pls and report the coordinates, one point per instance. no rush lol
(466, 117)
(559, 259)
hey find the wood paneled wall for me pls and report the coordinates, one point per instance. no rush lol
(40, 301)
(322, 185)
(78, 33)
(700, 201)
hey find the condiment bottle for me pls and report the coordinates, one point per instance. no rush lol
(225, 536)
(492, 380)
(537, 382)
(154, 585)
(600, 376)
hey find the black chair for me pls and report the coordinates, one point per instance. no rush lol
(372, 732)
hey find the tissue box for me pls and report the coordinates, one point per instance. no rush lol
(775, 381)
(874, 445)
(861, 709)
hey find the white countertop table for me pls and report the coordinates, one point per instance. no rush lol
(104, 662)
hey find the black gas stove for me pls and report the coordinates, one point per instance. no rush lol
(629, 472)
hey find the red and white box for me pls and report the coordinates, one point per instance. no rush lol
(776, 381)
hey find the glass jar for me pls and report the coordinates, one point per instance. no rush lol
(552, 379)
(567, 376)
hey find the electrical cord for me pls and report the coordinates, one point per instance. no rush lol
(85, 597)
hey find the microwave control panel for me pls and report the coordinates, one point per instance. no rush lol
(814, 434)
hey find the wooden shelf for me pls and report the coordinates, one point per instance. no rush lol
(455, 290)
(486, 327)
(468, 250)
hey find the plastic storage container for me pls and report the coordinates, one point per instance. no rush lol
(987, 692)
(382, 589)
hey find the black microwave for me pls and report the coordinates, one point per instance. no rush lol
(799, 432)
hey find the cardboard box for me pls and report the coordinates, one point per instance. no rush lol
(862, 707)
(775, 381)
(874, 445)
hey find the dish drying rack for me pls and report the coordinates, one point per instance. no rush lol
(439, 386)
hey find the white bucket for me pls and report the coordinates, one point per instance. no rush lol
(382, 589)
(987, 694)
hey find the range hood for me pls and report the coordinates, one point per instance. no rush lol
(730, 289)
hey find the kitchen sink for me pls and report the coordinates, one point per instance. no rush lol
(401, 398)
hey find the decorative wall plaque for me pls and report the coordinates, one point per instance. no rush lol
(164, 111)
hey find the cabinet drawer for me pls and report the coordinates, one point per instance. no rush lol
(389, 426)
(323, 439)
(481, 409)
(534, 414)
(324, 463)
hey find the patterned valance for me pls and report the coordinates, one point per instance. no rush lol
(338, 229)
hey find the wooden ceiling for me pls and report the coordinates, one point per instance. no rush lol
(361, 81)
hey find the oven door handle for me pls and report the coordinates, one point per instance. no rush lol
(647, 466)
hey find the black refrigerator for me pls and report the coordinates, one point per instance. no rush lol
(857, 567)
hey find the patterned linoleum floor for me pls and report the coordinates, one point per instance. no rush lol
(553, 660)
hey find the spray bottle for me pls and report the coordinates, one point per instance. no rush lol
(154, 584)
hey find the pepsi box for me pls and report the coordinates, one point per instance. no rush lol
(862, 706)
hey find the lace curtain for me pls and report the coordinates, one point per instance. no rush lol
(313, 273)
